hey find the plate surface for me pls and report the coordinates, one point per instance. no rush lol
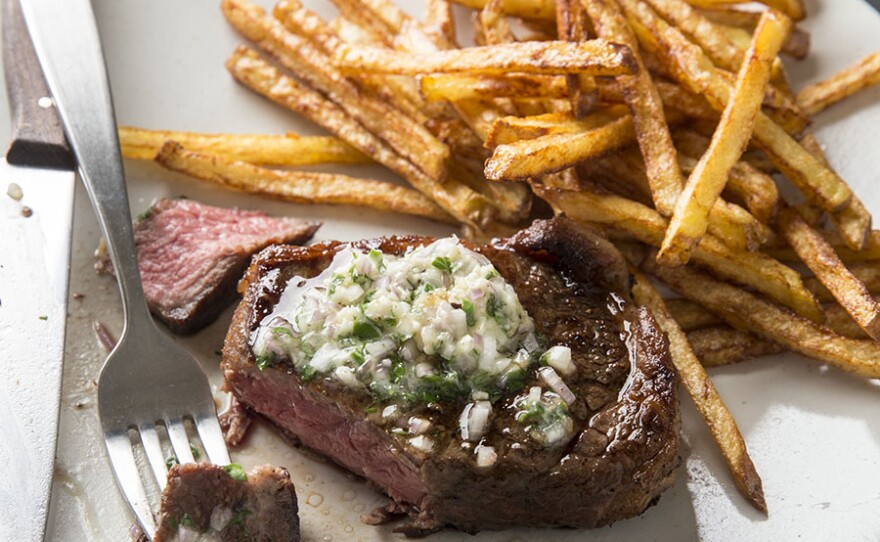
(814, 433)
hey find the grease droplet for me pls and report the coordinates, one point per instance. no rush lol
(349, 528)
(358, 508)
(326, 538)
(349, 495)
(315, 499)
(309, 477)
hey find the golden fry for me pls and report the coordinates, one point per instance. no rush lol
(820, 257)
(747, 311)
(299, 186)
(524, 9)
(707, 181)
(269, 150)
(706, 398)
(819, 96)
(595, 57)
(724, 345)
(691, 316)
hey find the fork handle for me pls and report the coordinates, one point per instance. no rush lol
(68, 46)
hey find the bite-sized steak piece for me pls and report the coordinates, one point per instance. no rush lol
(192, 255)
(204, 499)
(622, 449)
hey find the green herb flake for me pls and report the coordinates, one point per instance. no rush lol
(195, 451)
(398, 370)
(235, 472)
(239, 517)
(358, 355)
(170, 461)
(468, 309)
(43, 317)
(307, 373)
(372, 409)
(443, 264)
(188, 522)
(492, 274)
(145, 215)
(366, 330)
(281, 330)
(376, 256)
(265, 361)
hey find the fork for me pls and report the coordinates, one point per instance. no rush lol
(148, 380)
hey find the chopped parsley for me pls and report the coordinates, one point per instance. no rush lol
(366, 330)
(235, 472)
(468, 309)
(398, 370)
(265, 361)
(443, 264)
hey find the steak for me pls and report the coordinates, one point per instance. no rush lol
(622, 452)
(201, 497)
(191, 256)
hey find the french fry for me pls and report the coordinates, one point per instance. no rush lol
(724, 345)
(754, 189)
(298, 186)
(508, 130)
(439, 23)
(867, 274)
(821, 259)
(792, 8)
(693, 69)
(407, 137)
(752, 269)
(818, 96)
(649, 120)
(255, 73)
(571, 25)
(705, 184)
(269, 150)
(797, 45)
(854, 221)
(691, 316)
(455, 87)
(747, 311)
(524, 9)
(706, 398)
(595, 57)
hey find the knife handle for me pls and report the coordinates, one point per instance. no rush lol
(37, 136)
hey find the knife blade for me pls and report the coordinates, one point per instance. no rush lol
(36, 188)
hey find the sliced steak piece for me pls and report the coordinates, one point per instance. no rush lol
(623, 447)
(202, 498)
(191, 256)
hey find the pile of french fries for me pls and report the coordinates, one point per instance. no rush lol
(664, 123)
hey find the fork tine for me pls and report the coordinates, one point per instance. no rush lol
(127, 476)
(150, 440)
(212, 439)
(179, 440)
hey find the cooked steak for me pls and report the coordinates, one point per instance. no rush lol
(221, 504)
(191, 256)
(578, 429)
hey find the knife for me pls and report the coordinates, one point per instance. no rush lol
(36, 211)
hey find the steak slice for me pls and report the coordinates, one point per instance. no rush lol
(575, 285)
(201, 497)
(192, 255)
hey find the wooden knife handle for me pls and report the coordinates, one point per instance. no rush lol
(37, 136)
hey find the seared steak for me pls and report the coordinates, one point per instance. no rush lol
(617, 453)
(201, 497)
(191, 256)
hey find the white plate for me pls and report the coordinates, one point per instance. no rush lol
(814, 432)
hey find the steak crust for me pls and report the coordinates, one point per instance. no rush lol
(575, 285)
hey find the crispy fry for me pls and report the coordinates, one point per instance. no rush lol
(690, 66)
(269, 150)
(820, 257)
(792, 8)
(819, 96)
(724, 345)
(753, 269)
(707, 181)
(854, 221)
(747, 311)
(867, 274)
(507, 130)
(754, 189)
(524, 9)
(797, 45)
(595, 57)
(706, 398)
(252, 71)
(649, 120)
(691, 316)
(455, 87)
(439, 22)
(407, 137)
(571, 25)
(555, 152)
(299, 186)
